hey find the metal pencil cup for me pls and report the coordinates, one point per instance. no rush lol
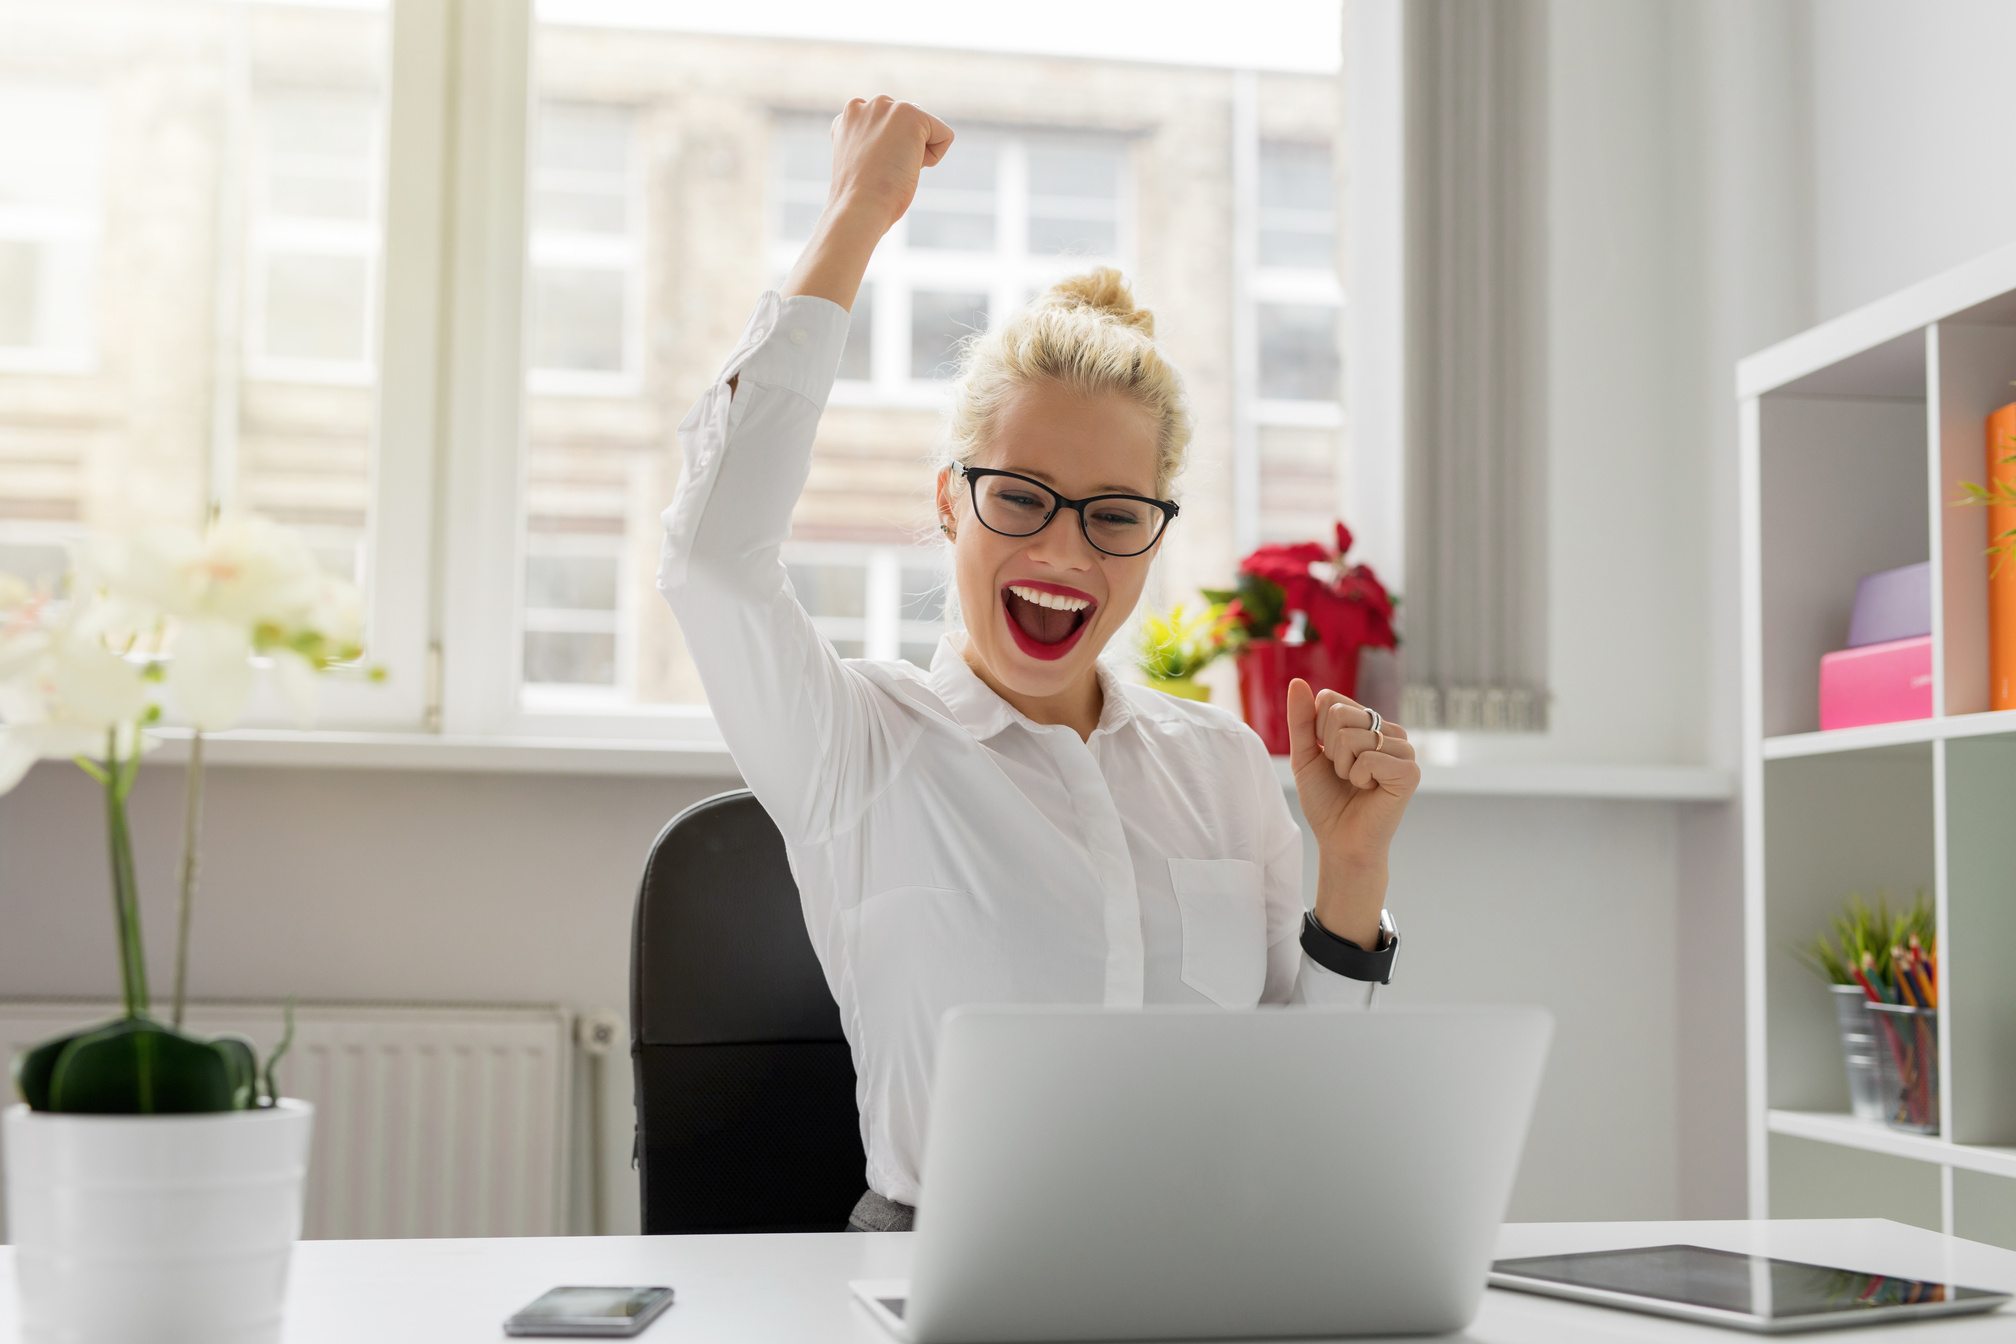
(1907, 1053)
(1858, 1052)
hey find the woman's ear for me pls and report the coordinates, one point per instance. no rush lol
(945, 500)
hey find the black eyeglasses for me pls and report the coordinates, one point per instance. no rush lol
(1016, 506)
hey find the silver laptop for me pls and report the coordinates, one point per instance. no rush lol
(1189, 1173)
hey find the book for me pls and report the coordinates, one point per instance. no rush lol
(2001, 568)
(1877, 683)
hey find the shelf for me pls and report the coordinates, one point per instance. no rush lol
(1645, 783)
(1848, 1132)
(1960, 292)
(1889, 734)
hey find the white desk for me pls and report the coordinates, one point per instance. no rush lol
(793, 1289)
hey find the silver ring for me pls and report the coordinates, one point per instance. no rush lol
(1378, 728)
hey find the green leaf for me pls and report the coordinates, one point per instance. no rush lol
(138, 1066)
(34, 1067)
(242, 1060)
(279, 1052)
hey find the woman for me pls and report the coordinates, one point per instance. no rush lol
(1016, 825)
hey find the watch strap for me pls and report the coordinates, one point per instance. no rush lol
(1345, 957)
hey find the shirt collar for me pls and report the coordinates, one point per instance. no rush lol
(976, 708)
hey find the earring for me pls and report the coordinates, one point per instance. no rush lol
(946, 528)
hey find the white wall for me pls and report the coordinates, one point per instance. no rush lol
(1912, 122)
(352, 885)
(517, 888)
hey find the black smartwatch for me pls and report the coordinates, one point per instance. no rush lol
(1345, 957)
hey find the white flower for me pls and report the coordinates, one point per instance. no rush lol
(244, 570)
(244, 587)
(63, 693)
(211, 671)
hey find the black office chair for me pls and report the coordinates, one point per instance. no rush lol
(745, 1088)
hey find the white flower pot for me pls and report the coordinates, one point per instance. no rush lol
(154, 1229)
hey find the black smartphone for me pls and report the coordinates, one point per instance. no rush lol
(591, 1311)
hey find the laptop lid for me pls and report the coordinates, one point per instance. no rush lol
(1183, 1173)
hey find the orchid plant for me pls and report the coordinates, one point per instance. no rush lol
(166, 616)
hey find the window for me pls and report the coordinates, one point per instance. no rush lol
(1296, 275)
(192, 258)
(586, 491)
(1298, 352)
(239, 267)
(872, 601)
(573, 596)
(1001, 219)
(1298, 207)
(582, 290)
(49, 225)
(1297, 417)
(314, 235)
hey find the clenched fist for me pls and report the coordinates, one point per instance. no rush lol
(880, 146)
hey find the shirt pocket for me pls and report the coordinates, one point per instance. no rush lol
(1224, 929)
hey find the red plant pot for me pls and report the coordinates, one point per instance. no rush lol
(1266, 666)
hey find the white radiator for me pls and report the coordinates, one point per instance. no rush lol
(429, 1121)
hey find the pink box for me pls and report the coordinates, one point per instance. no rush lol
(1877, 683)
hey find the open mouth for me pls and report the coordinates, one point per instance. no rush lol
(1046, 619)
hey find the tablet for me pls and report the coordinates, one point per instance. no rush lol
(1745, 1292)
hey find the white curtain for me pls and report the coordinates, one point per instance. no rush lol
(1474, 616)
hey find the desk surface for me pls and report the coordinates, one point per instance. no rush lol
(792, 1289)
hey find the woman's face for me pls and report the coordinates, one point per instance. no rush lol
(1039, 609)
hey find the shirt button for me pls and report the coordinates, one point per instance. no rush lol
(798, 336)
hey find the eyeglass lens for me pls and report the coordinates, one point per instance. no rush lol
(1114, 523)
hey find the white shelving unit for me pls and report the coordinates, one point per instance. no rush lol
(1855, 436)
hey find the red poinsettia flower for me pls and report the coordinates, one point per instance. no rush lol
(1347, 608)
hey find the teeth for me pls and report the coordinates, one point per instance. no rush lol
(1056, 601)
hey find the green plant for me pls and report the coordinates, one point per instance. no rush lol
(1256, 606)
(2000, 492)
(80, 677)
(1181, 643)
(1870, 940)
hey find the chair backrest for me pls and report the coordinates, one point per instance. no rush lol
(745, 1088)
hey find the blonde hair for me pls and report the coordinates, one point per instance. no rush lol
(1084, 334)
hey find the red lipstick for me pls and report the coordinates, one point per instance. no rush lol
(1028, 643)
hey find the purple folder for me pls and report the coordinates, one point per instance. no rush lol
(1895, 604)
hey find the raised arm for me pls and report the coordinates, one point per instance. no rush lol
(879, 148)
(811, 736)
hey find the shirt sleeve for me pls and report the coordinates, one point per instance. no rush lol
(814, 739)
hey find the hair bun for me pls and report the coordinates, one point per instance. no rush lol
(1104, 291)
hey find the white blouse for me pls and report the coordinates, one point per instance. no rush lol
(947, 849)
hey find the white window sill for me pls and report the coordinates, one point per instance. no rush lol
(435, 751)
(710, 760)
(1651, 783)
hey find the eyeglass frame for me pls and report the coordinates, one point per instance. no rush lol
(1168, 507)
